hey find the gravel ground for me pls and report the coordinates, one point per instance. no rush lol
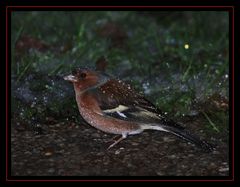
(69, 149)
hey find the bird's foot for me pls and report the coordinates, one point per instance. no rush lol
(116, 141)
(114, 138)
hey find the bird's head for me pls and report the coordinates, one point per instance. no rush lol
(84, 79)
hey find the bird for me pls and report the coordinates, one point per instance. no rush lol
(114, 107)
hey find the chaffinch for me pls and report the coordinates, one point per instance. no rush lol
(114, 107)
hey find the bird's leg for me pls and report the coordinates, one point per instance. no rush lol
(114, 138)
(117, 141)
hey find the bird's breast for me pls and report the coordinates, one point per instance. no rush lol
(91, 112)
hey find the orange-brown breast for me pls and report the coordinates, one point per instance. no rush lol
(91, 112)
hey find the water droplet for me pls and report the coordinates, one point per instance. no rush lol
(146, 87)
(195, 76)
(53, 83)
(219, 55)
(45, 99)
(167, 64)
(33, 104)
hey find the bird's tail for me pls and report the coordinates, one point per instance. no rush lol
(182, 133)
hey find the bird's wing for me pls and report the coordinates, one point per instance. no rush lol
(117, 99)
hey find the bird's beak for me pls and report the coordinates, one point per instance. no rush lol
(71, 78)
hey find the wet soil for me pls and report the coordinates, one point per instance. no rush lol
(70, 149)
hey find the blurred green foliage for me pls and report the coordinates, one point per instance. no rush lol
(174, 57)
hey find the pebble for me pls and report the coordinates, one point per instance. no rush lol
(223, 169)
(117, 152)
(167, 139)
(172, 156)
(159, 173)
(51, 170)
(48, 154)
(100, 154)
(27, 153)
(96, 135)
(135, 143)
(29, 171)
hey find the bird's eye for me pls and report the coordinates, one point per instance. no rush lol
(83, 75)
